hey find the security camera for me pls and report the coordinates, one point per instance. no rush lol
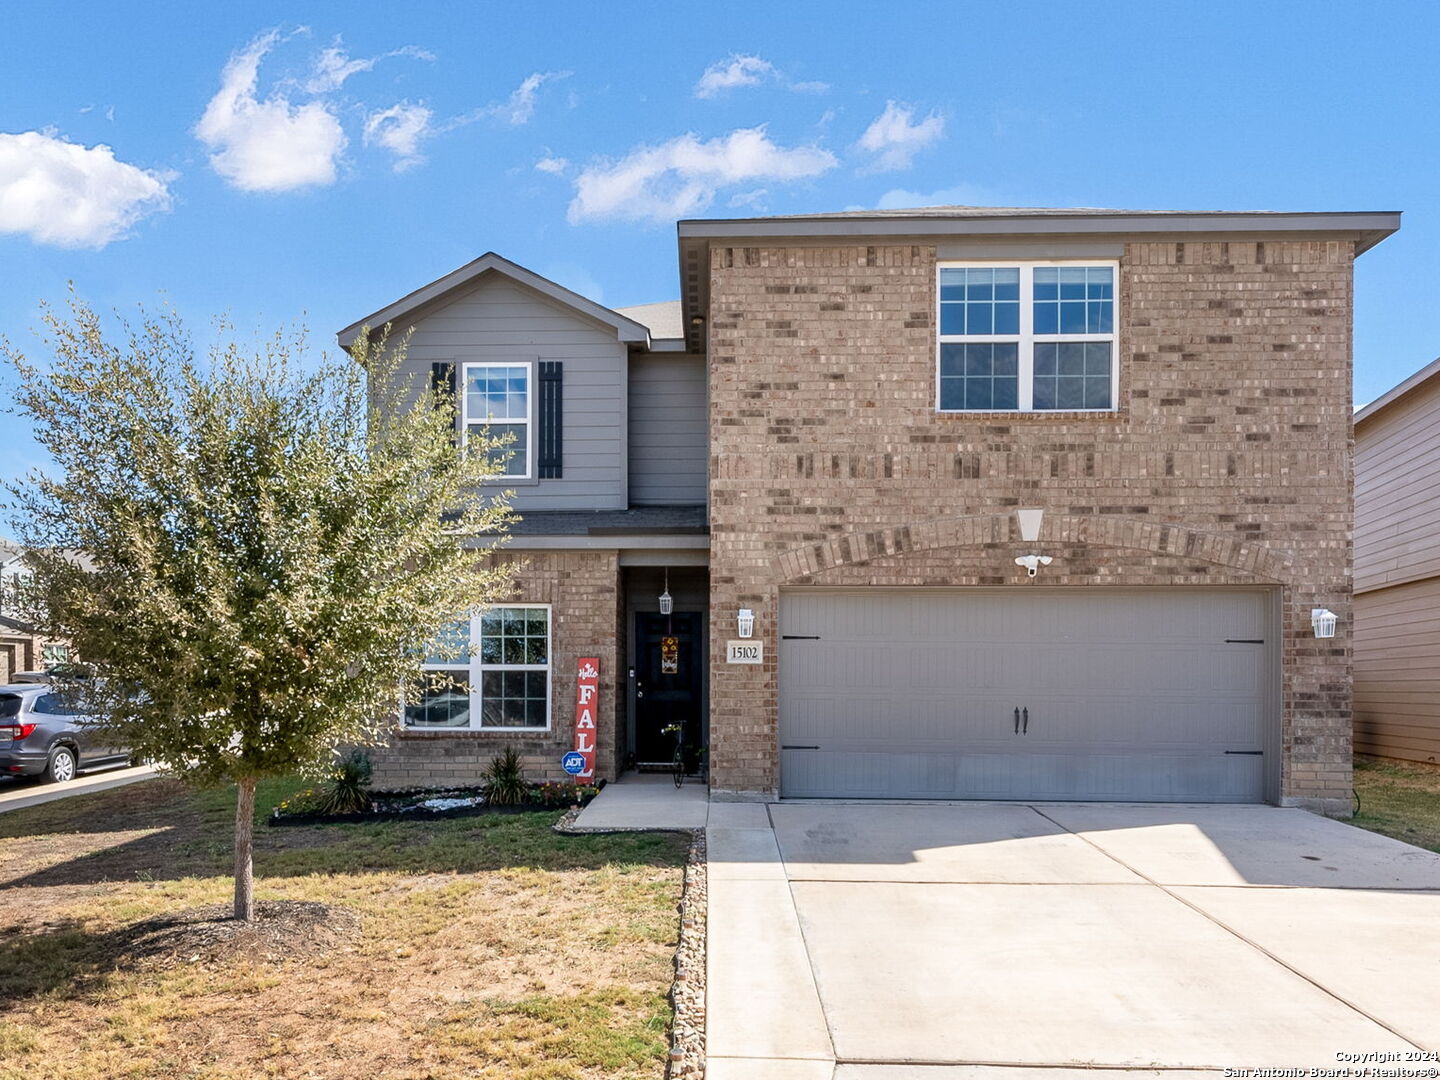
(1032, 563)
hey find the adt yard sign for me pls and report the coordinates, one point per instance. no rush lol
(587, 708)
(573, 763)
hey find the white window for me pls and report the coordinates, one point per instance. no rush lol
(1026, 337)
(490, 671)
(498, 396)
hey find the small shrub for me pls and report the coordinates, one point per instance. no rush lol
(346, 789)
(561, 794)
(505, 783)
(302, 802)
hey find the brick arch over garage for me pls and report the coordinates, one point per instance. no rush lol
(1134, 534)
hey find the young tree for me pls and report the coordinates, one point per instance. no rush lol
(270, 544)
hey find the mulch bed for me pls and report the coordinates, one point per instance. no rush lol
(282, 930)
(415, 813)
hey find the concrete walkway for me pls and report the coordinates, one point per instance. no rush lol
(18, 792)
(949, 941)
(647, 801)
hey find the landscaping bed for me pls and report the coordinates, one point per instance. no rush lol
(413, 804)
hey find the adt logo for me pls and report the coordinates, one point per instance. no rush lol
(573, 763)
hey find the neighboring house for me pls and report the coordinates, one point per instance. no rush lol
(1397, 571)
(21, 647)
(844, 437)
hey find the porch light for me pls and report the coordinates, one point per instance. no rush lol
(667, 602)
(745, 624)
(1323, 621)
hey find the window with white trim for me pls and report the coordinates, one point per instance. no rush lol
(1026, 337)
(488, 672)
(497, 396)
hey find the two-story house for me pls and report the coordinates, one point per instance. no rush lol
(942, 503)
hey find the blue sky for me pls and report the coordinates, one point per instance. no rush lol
(307, 161)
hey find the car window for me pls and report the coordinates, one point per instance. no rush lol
(55, 705)
(9, 706)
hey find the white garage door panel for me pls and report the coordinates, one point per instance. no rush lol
(1157, 695)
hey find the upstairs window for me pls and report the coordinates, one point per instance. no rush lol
(1027, 337)
(498, 396)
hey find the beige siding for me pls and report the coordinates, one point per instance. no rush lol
(1397, 671)
(1397, 473)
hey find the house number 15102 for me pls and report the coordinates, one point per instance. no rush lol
(744, 652)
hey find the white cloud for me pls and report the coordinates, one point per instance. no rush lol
(334, 65)
(555, 166)
(959, 195)
(683, 175)
(736, 71)
(59, 192)
(520, 106)
(754, 200)
(743, 69)
(270, 145)
(399, 129)
(895, 139)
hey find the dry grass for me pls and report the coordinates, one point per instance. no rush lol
(1400, 799)
(489, 947)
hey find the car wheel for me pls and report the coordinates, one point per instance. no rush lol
(60, 769)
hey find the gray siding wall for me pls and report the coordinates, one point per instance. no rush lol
(668, 433)
(498, 320)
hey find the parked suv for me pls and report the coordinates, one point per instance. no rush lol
(42, 734)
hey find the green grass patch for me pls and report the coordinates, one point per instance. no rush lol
(1399, 799)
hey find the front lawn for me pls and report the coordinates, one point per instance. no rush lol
(1400, 799)
(488, 947)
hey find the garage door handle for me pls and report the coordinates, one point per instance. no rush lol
(1025, 730)
(1017, 719)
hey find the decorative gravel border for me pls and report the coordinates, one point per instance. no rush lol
(687, 992)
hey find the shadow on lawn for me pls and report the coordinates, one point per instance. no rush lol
(462, 846)
(62, 958)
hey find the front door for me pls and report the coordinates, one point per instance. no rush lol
(667, 683)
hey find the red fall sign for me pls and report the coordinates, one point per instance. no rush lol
(587, 709)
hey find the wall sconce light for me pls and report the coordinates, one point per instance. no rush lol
(1323, 621)
(667, 602)
(745, 624)
(1032, 563)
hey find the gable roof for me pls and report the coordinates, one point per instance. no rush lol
(665, 319)
(1394, 394)
(626, 329)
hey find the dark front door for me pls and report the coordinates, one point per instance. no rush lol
(667, 683)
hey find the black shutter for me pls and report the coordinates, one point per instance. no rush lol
(442, 381)
(551, 438)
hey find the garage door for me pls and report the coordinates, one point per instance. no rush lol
(1035, 693)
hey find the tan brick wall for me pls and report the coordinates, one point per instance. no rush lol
(582, 589)
(1228, 461)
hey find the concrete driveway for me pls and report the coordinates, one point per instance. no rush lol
(940, 941)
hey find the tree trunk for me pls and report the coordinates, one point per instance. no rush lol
(244, 844)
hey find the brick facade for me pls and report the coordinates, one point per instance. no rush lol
(583, 591)
(1228, 461)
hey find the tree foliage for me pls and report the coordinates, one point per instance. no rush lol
(252, 549)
